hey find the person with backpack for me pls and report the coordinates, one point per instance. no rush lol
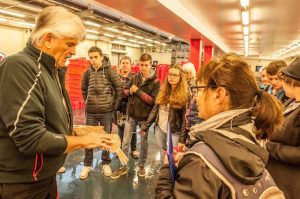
(102, 92)
(142, 91)
(283, 144)
(236, 112)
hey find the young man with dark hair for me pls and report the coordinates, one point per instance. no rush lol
(275, 87)
(142, 91)
(102, 93)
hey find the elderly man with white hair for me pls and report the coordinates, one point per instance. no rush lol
(35, 112)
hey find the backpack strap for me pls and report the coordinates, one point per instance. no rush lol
(237, 189)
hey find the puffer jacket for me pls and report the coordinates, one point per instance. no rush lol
(101, 89)
(142, 101)
(194, 179)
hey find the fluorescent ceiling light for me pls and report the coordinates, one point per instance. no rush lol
(132, 40)
(245, 17)
(112, 29)
(163, 44)
(141, 42)
(92, 37)
(26, 24)
(246, 30)
(93, 31)
(246, 38)
(108, 35)
(2, 19)
(7, 12)
(149, 40)
(92, 23)
(127, 33)
(245, 3)
(156, 42)
(135, 45)
(118, 42)
(139, 37)
(122, 38)
(149, 44)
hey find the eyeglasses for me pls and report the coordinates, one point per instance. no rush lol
(173, 75)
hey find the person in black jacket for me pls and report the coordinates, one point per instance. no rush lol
(228, 99)
(172, 101)
(284, 143)
(102, 93)
(142, 91)
(36, 119)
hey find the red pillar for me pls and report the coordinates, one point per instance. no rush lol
(195, 53)
(208, 54)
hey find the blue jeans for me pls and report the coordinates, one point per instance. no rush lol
(161, 141)
(130, 127)
(102, 119)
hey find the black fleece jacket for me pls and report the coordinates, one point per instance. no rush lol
(33, 117)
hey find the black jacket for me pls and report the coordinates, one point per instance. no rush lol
(124, 101)
(141, 103)
(194, 179)
(101, 89)
(33, 117)
(284, 149)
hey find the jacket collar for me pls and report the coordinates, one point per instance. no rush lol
(46, 60)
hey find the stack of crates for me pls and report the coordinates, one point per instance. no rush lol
(162, 72)
(76, 68)
(135, 69)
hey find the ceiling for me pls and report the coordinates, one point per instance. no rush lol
(274, 24)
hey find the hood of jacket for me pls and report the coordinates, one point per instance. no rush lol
(245, 161)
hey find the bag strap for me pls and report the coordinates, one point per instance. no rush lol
(237, 189)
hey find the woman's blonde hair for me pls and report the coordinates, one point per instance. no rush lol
(176, 98)
(58, 21)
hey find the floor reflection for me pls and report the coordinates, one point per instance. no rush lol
(97, 186)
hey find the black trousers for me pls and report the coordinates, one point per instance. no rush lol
(44, 189)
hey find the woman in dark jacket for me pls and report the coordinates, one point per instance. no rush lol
(171, 104)
(284, 144)
(228, 100)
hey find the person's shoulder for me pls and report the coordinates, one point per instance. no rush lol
(18, 60)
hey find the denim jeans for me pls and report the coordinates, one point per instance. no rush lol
(102, 119)
(161, 141)
(133, 139)
(130, 127)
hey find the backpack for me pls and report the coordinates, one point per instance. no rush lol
(264, 188)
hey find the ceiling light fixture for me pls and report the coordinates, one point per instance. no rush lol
(2, 19)
(108, 35)
(132, 40)
(245, 17)
(7, 12)
(245, 3)
(112, 29)
(150, 40)
(26, 24)
(122, 38)
(246, 30)
(92, 31)
(127, 33)
(92, 23)
(139, 37)
(92, 37)
(246, 38)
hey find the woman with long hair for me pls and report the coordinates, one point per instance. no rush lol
(171, 104)
(236, 112)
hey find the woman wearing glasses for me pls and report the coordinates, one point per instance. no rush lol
(170, 108)
(229, 100)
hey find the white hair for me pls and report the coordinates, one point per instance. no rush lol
(58, 21)
(189, 67)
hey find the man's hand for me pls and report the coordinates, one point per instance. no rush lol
(133, 89)
(142, 133)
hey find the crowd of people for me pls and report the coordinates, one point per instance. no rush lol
(222, 113)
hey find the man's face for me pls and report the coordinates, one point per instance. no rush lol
(125, 66)
(145, 67)
(62, 49)
(275, 82)
(95, 59)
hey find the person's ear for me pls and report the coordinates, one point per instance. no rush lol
(48, 38)
(220, 94)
